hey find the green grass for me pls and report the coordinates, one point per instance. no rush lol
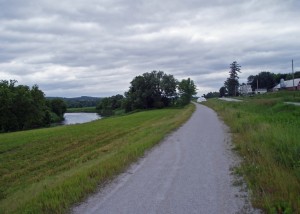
(48, 170)
(266, 133)
(280, 96)
(85, 109)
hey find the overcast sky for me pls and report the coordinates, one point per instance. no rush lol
(96, 47)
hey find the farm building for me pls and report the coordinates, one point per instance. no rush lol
(288, 85)
(260, 91)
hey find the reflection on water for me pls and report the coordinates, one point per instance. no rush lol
(74, 118)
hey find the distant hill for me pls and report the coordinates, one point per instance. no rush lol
(79, 102)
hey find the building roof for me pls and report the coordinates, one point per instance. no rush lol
(289, 83)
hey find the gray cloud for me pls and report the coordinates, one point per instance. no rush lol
(72, 48)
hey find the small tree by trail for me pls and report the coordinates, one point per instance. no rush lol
(186, 89)
(223, 91)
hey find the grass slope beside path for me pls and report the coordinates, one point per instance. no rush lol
(48, 170)
(266, 133)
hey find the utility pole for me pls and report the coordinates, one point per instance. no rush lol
(293, 74)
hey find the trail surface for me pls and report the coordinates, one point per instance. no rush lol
(293, 103)
(189, 172)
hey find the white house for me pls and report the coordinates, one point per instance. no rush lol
(245, 89)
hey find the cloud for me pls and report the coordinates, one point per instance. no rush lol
(72, 48)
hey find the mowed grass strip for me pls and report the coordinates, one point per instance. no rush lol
(266, 133)
(48, 170)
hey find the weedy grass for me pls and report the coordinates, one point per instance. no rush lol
(84, 109)
(266, 133)
(48, 170)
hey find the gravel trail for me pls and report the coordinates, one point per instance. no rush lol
(189, 172)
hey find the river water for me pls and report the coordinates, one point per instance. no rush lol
(77, 118)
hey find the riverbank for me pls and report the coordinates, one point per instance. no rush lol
(48, 170)
(266, 134)
(84, 110)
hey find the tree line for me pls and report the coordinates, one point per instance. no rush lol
(264, 79)
(269, 80)
(79, 102)
(25, 108)
(231, 84)
(150, 90)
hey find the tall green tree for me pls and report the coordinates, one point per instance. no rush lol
(211, 95)
(59, 107)
(108, 105)
(38, 107)
(232, 82)
(187, 89)
(168, 89)
(250, 79)
(8, 121)
(264, 79)
(286, 76)
(21, 107)
(150, 90)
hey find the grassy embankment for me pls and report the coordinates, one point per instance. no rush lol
(48, 170)
(85, 109)
(266, 133)
(117, 112)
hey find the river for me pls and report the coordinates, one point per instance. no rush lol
(77, 118)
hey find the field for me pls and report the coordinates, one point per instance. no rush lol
(48, 170)
(85, 109)
(266, 133)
